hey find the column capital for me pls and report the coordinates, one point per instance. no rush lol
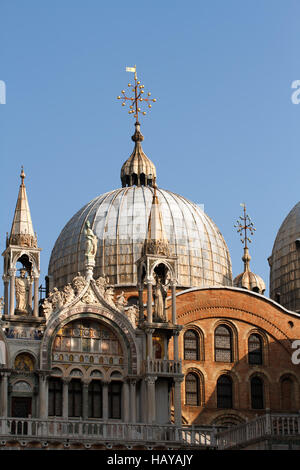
(151, 379)
(12, 271)
(66, 380)
(149, 331)
(178, 379)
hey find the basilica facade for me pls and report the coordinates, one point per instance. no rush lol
(141, 337)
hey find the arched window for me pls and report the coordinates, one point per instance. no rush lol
(255, 349)
(286, 394)
(224, 392)
(114, 400)
(191, 345)
(223, 344)
(257, 393)
(75, 398)
(55, 397)
(95, 399)
(192, 390)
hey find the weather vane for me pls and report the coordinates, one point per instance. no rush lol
(137, 100)
(243, 224)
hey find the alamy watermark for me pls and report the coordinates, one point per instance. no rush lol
(296, 354)
(295, 97)
(2, 92)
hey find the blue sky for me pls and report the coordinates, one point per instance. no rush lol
(223, 131)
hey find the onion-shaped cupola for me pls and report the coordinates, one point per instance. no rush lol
(247, 279)
(138, 170)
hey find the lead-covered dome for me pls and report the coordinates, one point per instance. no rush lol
(120, 218)
(285, 262)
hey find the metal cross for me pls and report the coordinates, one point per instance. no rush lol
(243, 224)
(137, 100)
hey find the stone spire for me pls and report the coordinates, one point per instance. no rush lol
(138, 169)
(156, 241)
(22, 233)
(247, 279)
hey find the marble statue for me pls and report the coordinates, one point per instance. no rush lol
(91, 242)
(22, 290)
(159, 294)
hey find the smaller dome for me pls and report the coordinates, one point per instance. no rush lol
(249, 280)
(138, 169)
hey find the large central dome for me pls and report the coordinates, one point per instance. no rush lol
(120, 220)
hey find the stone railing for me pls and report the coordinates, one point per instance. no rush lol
(268, 425)
(162, 366)
(100, 431)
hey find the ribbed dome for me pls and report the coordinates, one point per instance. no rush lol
(285, 262)
(250, 281)
(120, 219)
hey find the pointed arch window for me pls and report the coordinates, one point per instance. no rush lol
(224, 392)
(257, 393)
(192, 397)
(223, 344)
(255, 349)
(191, 345)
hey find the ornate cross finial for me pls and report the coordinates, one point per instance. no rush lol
(137, 100)
(22, 175)
(243, 224)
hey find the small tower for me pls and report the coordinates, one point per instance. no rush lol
(247, 279)
(21, 292)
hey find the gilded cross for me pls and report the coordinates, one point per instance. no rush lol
(137, 100)
(243, 225)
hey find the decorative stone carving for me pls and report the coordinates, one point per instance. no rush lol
(1, 305)
(78, 284)
(68, 294)
(101, 284)
(109, 296)
(22, 285)
(91, 243)
(132, 314)
(89, 297)
(121, 301)
(56, 299)
(157, 247)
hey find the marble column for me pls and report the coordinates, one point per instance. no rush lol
(105, 400)
(173, 287)
(177, 401)
(132, 400)
(149, 333)
(43, 396)
(36, 297)
(4, 394)
(141, 303)
(6, 294)
(149, 302)
(85, 399)
(12, 275)
(65, 397)
(125, 402)
(151, 404)
(176, 350)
